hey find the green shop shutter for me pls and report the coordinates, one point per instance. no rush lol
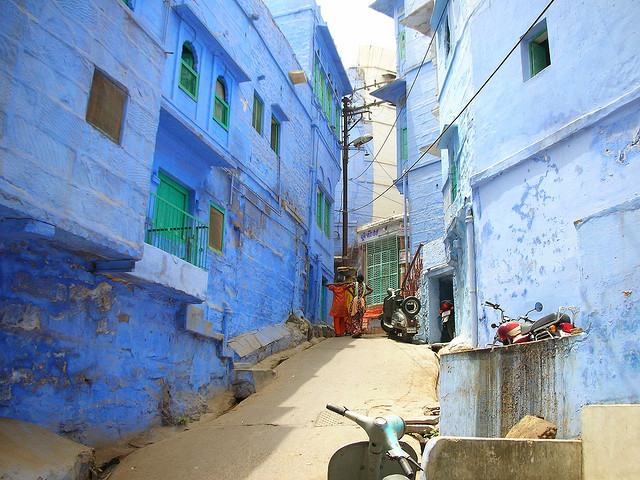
(382, 267)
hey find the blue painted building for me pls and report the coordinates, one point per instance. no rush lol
(165, 175)
(414, 94)
(541, 199)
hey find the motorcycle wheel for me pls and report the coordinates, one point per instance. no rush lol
(407, 337)
(411, 306)
(385, 326)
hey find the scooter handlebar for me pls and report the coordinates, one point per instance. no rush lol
(338, 410)
(406, 468)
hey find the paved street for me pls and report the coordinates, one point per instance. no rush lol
(284, 431)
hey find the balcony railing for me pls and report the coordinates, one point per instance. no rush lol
(176, 232)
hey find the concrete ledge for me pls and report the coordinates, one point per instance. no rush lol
(465, 458)
(179, 278)
(29, 452)
(611, 442)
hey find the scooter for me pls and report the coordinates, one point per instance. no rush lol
(447, 321)
(399, 314)
(523, 329)
(383, 457)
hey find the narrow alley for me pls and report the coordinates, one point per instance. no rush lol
(284, 430)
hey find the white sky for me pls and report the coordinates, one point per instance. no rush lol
(352, 23)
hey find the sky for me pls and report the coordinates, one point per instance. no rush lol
(352, 23)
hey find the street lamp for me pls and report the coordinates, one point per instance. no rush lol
(347, 112)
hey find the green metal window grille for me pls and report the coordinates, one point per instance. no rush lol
(319, 201)
(402, 45)
(337, 119)
(539, 55)
(189, 78)
(327, 218)
(220, 105)
(454, 173)
(257, 113)
(328, 100)
(216, 228)
(322, 90)
(404, 151)
(171, 229)
(275, 135)
(382, 267)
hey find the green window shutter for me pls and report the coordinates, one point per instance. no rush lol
(321, 92)
(170, 216)
(382, 267)
(275, 135)
(257, 113)
(316, 77)
(220, 105)
(327, 218)
(454, 173)
(319, 208)
(327, 101)
(189, 78)
(337, 119)
(402, 45)
(404, 152)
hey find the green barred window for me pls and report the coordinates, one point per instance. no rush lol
(382, 267)
(189, 78)
(319, 208)
(327, 218)
(275, 135)
(257, 113)
(404, 152)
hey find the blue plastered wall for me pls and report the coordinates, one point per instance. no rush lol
(551, 176)
(112, 352)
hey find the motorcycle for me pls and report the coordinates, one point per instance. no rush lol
(399, 314)
(383, 457)
(447, 321)
(523, 329)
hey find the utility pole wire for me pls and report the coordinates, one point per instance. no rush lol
(424, 59)
(435, 142)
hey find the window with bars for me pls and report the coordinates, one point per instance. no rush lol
(189, 77)
(257, 113)
(382, 267)
(220, 105)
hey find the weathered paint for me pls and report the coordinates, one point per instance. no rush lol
(552, 179)
(121, 348)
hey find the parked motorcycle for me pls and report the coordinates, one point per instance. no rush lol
(383, 457)
(447, 321)
(523, 329)
(399, 314)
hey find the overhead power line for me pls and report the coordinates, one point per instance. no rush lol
(435, 142)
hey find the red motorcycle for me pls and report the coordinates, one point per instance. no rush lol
(523, 329)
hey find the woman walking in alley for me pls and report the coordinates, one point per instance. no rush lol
(360, 290)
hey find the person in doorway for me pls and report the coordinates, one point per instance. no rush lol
(359, 290)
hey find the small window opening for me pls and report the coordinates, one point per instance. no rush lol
(257, 113)
(220, 105)
(216, 228)
(189, 78)
(447, 37)
(105, 110)
(275, 135)
(539, 55)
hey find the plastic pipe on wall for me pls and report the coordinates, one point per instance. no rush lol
(471, 253)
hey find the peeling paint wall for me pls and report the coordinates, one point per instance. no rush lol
(82, 358)
(552, 177)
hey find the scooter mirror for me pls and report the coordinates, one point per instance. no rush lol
(493, 325)
(538, 307)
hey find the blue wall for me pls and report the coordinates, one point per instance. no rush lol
(552, 179)
(110, 355)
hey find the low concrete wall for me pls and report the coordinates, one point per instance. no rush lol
(485, 392)
(455, 458)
